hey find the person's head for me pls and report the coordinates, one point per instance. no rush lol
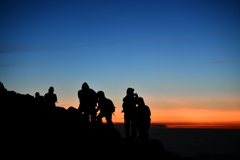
(130, 91)
(51, 90)
(100, 94)
(37, 94)
(140, 101)
(85, 86)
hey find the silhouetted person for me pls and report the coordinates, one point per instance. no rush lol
(88, 101)
(106, 108)
(50, 98)
(143, 119)
(39, 101)
(129, 109)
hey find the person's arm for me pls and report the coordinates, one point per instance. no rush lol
(149, 111)
(136, 95)
(55, 98)
(79, 94)
(98, 107)
(123, 107)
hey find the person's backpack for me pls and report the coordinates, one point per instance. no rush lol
(111, 106)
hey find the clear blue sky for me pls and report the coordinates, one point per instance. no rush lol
(173, 48)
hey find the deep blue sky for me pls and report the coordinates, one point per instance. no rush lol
(174, 48)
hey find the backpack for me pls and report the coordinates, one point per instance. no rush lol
(111, 106)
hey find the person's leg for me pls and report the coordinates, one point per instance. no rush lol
(127, 125)
(109, 119)
(133, 128)
(86, 118)
(93, 118)
(99, 118)
(140, 132)
(145, 136)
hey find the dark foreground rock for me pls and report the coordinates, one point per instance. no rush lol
(31, 131)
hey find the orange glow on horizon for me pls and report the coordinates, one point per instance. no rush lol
(220, 112)
(192, 118)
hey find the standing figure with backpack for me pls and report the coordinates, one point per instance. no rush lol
(129, 109)
(106, 108)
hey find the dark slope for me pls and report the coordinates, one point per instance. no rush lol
(31, 131)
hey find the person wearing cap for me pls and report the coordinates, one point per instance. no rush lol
(129, 110)
(50, 98)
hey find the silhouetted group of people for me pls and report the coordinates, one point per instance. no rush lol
(47, 101)
(136, 113)
(34, 124)
(136, 116)
(92, 102)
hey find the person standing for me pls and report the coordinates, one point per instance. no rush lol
(143, 114)
(129, 110)
(50, 98)
(88, 101)
(39, 101)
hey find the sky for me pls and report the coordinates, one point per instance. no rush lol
(181, 56)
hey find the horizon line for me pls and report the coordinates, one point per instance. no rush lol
(158, 125)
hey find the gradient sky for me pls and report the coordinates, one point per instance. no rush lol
(181, 56)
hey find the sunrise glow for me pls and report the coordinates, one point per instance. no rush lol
(181, 57)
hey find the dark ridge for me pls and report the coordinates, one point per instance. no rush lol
(31, 130)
